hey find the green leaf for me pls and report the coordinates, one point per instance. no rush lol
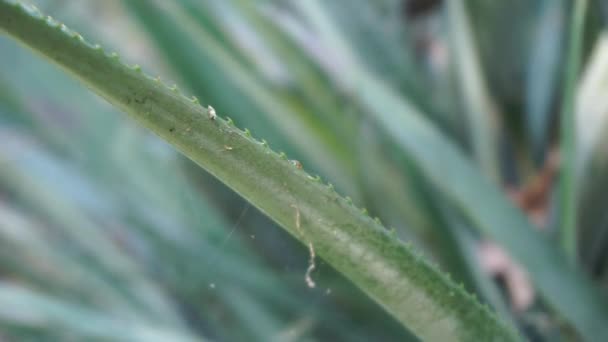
(478, 106)
(415, 293)
(231, 87)
(567, 183)
(22, 307)
(564, 287)
(543, 72)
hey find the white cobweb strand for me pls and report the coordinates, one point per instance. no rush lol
(311, 267)
(311, 261)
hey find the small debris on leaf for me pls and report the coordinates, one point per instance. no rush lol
(211, 112)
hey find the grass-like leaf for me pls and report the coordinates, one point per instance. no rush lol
(418, 295)
(564, 287)
(568, 185)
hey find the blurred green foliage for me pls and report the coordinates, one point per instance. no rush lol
(107, 233)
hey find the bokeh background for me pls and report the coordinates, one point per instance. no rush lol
(106, 233)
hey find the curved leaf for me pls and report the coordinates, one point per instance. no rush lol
(414, 292)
